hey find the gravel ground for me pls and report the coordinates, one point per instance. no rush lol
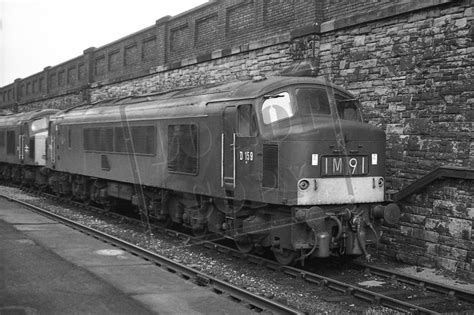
(297, 293)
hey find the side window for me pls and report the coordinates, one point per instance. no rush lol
(2, 139)
(69, 137)
(98, 139)
(313, 101)
(31, 150)
(121, 140)
(348, 109)
(135, 139)
(11, 142)
(106, 142)
(88, 138)
(143, 139)
(247, 121)
(276, 107)
(183, 149)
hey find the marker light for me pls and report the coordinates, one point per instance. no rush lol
(374, 158)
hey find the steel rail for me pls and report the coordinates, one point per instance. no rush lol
(358, 292)
(346, 288)
(218, 286)
(448, 290)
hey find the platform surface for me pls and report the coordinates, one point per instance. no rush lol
(48, 268)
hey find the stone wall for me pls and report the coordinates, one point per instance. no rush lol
(410, 64)
(264, 59)
(171, 42)
(413, 74)
(436, 228)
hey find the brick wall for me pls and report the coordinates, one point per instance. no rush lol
(409, 63)
(215, 25)
(334, 9)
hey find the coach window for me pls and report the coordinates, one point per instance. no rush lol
(143, 139)
(11, 142)
(2, 139)
(247, 121)
(69, 137)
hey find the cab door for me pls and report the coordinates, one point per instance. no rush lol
(23, 148)
(240, 157)
(247, 157)
(51, 145)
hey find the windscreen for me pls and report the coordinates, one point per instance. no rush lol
(301, 108)
(39, 125)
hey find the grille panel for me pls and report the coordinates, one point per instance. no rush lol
(270, 166)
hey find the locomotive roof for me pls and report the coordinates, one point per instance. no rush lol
(182, 103)
(233, 90)
(15, 119)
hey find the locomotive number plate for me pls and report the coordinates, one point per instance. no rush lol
(340, 165)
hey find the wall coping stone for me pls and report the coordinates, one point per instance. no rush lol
(402, 7)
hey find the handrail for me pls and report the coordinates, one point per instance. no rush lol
(442, 171)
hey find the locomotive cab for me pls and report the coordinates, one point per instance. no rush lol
(326, 166)
(32, 146)
(23, 146)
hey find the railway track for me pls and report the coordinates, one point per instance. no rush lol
(253, 301)
(422, 297)
(432, 294)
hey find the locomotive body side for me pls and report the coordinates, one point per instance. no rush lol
(170, 145)
(285, 163)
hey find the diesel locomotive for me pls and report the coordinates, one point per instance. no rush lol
(285, 163)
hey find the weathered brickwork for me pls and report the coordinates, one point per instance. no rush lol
(240, 18)
(215, 25)
(410, 64)
(334, 9)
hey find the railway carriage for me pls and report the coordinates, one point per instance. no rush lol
(285, 163)
(9, 134)
(23, 146)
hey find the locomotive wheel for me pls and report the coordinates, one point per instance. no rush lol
(244, 244)
(174, 209)
(109, 205)
(164, 223)
(200, 232)
(285, 257)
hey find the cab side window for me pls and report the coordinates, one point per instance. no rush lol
(247, 121)
(11, 142)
